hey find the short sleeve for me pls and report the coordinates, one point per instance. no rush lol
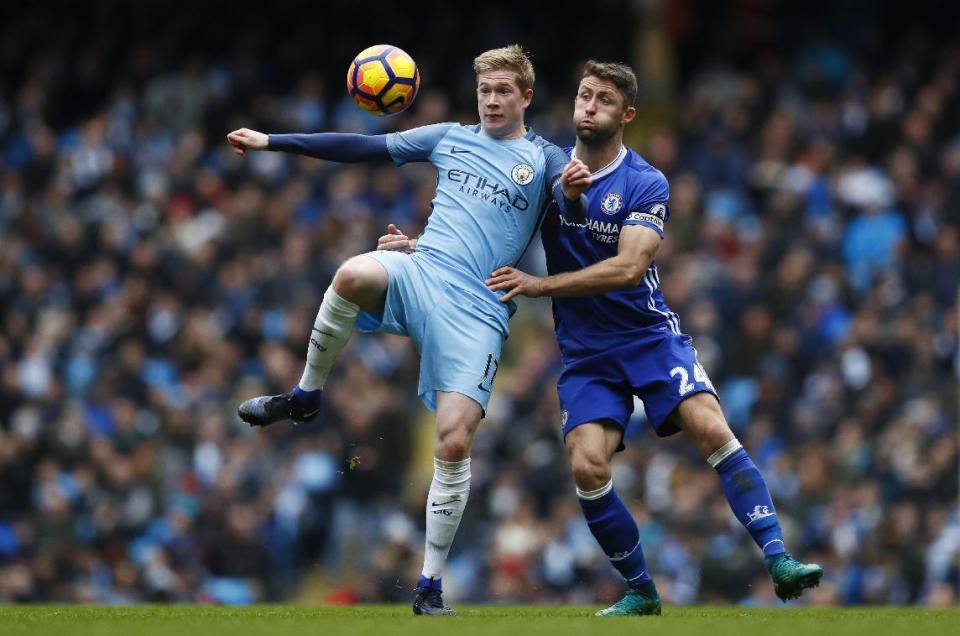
(649, 206)
(416, 144)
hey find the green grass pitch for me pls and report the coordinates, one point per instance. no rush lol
(390, 620)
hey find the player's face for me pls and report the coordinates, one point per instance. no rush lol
(501, 104)
(599, 112)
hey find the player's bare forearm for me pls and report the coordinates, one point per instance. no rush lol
(612, 274)
(608, 275)
(637, 248)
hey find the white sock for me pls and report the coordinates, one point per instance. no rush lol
(445, 503)
(331, 331)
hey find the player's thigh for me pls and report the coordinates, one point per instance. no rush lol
(460, 352)
(410, 296)
(594, 392)
(665, 372)
(363, 281)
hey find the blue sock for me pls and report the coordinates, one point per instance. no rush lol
(424, 583)
(750, 500)
(616, 532)
(309, 398)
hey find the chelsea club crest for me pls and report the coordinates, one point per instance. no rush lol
(611, 203)
(522, 174)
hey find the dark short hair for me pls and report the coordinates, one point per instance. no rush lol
(620, 75)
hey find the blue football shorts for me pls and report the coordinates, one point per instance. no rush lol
(454, 330)
(660, 367)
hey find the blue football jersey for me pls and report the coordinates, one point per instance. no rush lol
(629, 191)
(491, 197)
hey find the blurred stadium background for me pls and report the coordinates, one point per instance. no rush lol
(150, 280)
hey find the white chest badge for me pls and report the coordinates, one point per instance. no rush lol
(611, 203)
(522, 174)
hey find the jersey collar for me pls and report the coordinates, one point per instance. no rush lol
(610, 167)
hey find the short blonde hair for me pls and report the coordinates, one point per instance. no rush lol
(508, 58)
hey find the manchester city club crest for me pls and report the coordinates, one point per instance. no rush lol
(611, 203)
(522, 174)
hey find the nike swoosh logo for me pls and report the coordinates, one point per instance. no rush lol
(453, 498)
(458, 151)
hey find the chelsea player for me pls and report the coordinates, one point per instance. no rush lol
(494, 182)
(618, 338)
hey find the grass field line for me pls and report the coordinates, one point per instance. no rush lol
(387, 620)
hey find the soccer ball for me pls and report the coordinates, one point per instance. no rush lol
(383, 79)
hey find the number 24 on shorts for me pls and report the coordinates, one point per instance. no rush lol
(699, 375)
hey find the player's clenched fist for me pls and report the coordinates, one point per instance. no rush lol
(243, 139)
(576, 178)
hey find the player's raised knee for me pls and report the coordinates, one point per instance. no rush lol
(591, 470)
(360, 279)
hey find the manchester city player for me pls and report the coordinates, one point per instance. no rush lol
(494, 182)
(618, 339)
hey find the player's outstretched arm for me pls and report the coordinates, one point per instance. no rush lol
(637, 248)
(343, 147)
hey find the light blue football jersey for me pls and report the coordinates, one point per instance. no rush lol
(491, 197)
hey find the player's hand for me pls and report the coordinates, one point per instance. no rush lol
(395, 241)
(515, 282)
(244, 139)
(575, 179)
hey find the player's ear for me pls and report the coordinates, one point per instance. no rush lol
(628, 115)
(527, 97)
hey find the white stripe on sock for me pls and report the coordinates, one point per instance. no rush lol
(595, 494)
(763, 549)
(624, 556)
(723, 452)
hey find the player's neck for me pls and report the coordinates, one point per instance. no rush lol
(598, 157)
(517, 133)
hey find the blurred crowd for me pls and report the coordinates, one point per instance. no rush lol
(150, 280)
